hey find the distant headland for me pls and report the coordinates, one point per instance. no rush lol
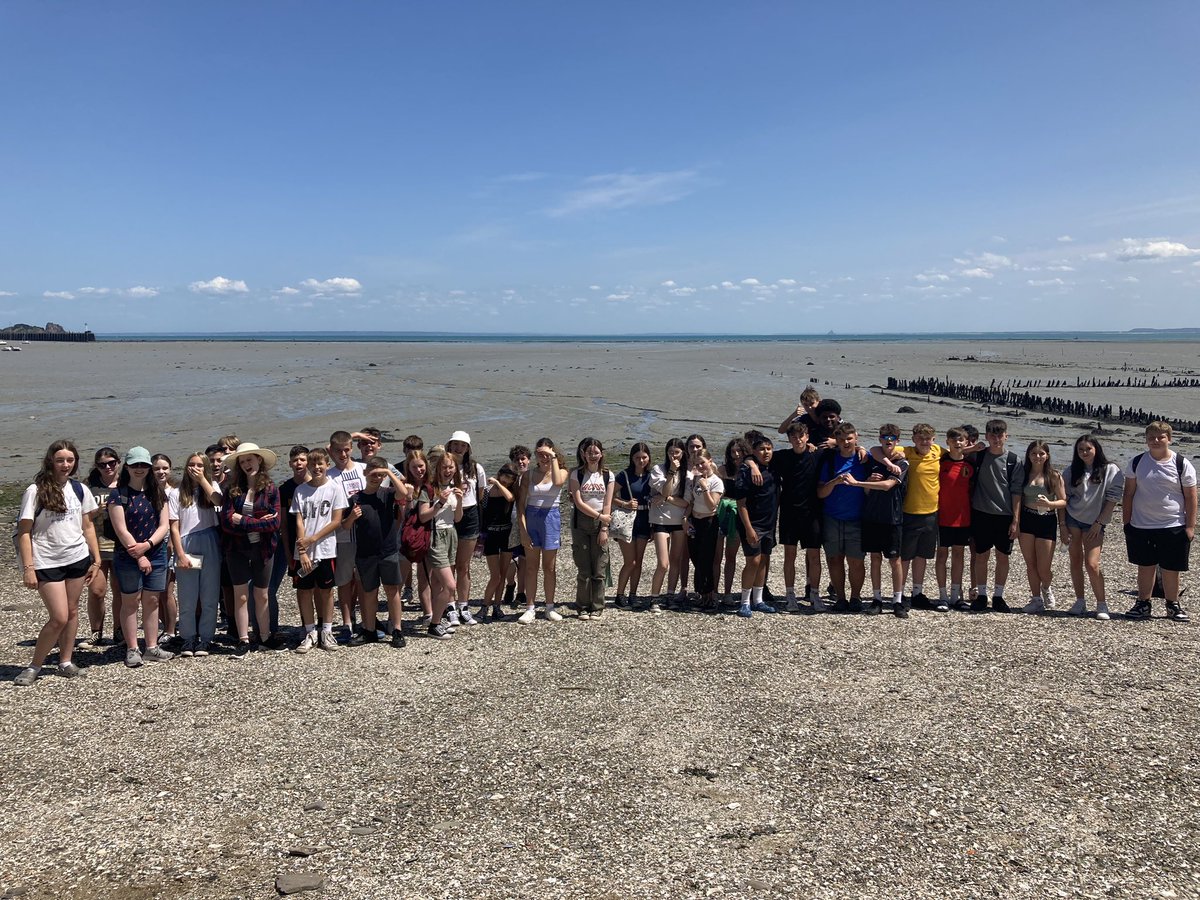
(52, 332)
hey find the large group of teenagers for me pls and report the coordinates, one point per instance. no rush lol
(202, 558)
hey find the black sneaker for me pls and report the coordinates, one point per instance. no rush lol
(1139, 610)
(188, 649)
(979, 604)
(509, 589)
(275, 644)
(367, 635)
(1176, 612)
(854, 605)
(242, 650)
(841, 605)
(874, 608)
(919, 601)
(354, 637)
(439, 632)
(998, 605)
(942, 605)
(962, 604)
(398, 640)
(520, 601)
(900, 610)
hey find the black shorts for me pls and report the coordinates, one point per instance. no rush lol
(64, 573)
(954, 536)
(766, 542)
(376, 570)
(320, 577)
(1166, 547)
(882, 537)
(496, 542)
(1042, 527)
(799, 526)
(250, 568)
(468, 526)
(920, 536)
(665, 529)
(989, 530)
(226, 581)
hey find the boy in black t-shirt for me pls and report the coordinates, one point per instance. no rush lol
(883, 522)
(758, 509)
(799, 517)
(376, 547)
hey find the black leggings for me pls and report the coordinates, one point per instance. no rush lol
(702, 548)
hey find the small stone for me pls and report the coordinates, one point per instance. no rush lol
(364, 829)
(295, 882)
(314, 805)
(303, 851)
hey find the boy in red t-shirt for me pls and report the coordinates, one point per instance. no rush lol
(954, 518)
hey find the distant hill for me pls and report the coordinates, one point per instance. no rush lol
(21, 328)
(1164, 330)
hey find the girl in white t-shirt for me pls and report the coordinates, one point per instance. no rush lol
(704, 492)
(56, 543)
(440, 502)
(468, 528)
(591, 487)
(196, 543)
(667, 482)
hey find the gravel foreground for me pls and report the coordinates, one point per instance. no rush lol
(682, 755)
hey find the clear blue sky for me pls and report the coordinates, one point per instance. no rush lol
(613, 168)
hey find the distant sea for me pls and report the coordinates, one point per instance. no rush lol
(1182, 335)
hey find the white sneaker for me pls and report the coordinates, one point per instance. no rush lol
(585, 617)
(1048, 595)
(451, 619)
(1035, 606)
(1080, 607)
(553, 615)
(467, 619)
(1102, 612)
(527, 617)
(793, 605)
(309, 642)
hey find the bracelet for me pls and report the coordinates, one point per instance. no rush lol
(31, 567)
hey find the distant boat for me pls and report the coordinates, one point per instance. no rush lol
(15, 349)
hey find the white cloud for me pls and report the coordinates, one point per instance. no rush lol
(141, 292)
(751, 281)
(808, 290)
(1045, 282)
(667, 283)
(932, 276)
(618, 296)
(683, 291)
(624, 190)
(1102, 255)
(58, 295)
(1135, 249)
(93, 290)
(1065, 239)
(1060, 268)
(1131, 279)
(287, 291)
(786, 282)
(345, 286)
(8, 294)
(218, 285)
(999, 239)
(993, 261)
(729, 285)
(595, 287)
(977, 273)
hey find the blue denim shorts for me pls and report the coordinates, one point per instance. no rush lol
(1073, 522)
(131, 579)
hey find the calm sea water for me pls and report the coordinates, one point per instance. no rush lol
(1188, 336)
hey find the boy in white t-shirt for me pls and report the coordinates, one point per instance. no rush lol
(1159, 514)
(317, 506)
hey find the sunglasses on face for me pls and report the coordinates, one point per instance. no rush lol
(139, 465)
(889, 437)
(108, 464)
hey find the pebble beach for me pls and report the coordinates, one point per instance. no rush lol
(681, 755)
